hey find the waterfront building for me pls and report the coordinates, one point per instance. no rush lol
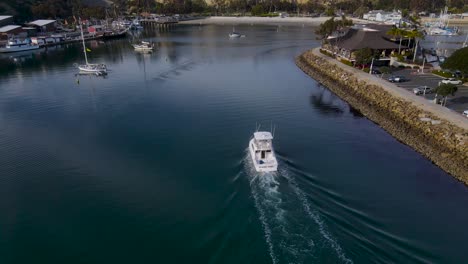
(391, 18)
(44, 25)
(371, 36)
(6, 20)
(9, 31)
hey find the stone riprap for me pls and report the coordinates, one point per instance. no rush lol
(438, 133)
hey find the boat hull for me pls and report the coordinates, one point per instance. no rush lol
(262, 167)
(14, 49)
(86, 69)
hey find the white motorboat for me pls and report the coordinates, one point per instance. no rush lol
(16, 45)
(262, 153)
(144, 46)
(89, 68)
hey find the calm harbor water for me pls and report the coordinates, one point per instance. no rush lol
(149, 165)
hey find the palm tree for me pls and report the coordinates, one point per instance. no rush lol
(396, 32)
(413, 34)
(417, 35)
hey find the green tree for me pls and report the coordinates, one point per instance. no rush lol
(330, 12)
(331, 25)
(413, 35)
(457, 61)
(257, 10)
(363, 56)
(384, 70)
(397, 33)
(445, 90)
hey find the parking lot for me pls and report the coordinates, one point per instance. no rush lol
(458, 103)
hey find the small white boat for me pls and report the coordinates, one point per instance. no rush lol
(144, 46)
(262, 153)
(234, 34)
(98, 69)
(16, 45)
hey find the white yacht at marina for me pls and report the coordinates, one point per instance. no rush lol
(262, 153)
(17, 45)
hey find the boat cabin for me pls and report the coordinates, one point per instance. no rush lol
(262, 145)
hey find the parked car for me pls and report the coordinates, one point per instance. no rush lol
(423, 90)
(397, 79)
(451, 81)
(465, 113)
(457, 74)
(376, 71)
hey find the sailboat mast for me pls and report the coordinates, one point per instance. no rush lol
(82, 38)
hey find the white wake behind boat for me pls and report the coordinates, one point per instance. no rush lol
(144, 46)
(262, 153)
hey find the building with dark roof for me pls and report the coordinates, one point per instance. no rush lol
(6, 20)
(374, 37)
(44, 25)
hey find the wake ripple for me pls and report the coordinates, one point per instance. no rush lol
(316, 218)
(289, 234)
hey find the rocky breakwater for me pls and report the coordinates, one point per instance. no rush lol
(436, 132)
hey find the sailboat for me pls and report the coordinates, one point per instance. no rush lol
(234, 34)
(89, 68)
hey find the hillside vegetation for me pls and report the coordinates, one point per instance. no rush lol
(28, 9)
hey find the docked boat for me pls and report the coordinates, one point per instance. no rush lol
(16, 45)
(262, 153)
(90, 68)
(143, 46)
(136, 25)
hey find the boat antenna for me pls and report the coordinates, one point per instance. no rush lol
(274, 130)
(257, 127)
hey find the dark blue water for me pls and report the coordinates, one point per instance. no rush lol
(149, 165)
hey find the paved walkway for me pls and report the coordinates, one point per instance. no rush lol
(437, 110)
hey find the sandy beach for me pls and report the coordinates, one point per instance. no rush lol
(218, 20)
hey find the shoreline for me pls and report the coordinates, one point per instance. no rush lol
(221, 20)
(438, 133)
(453, 21)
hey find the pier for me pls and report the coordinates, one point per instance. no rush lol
(161, 22)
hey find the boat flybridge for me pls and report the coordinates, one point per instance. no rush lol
(262, 153)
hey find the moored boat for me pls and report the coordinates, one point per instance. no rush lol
(16, 45)
(234, 34)
(143, 46)
(90, 68)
